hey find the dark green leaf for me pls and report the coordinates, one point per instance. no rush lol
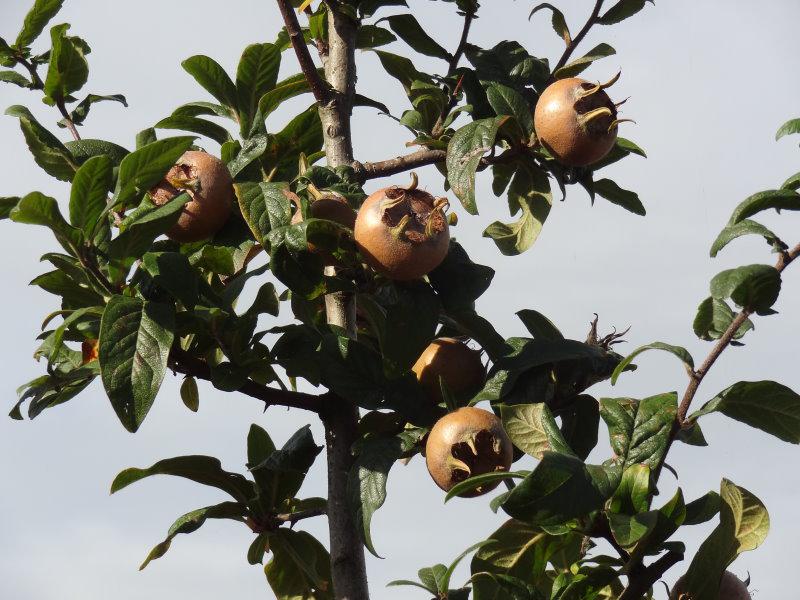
(765, 405)
(788, 128)
(172, 272)
(38, 209)
(402, 69)
(213, 78)
(256, 75)
(753, 287)
(703, 509)
(745, 227)
(621, 197)
(713, 318)
(558, 21)
(777, 199)
(457, 280)
(508, 102)
(14, 78)
(680, 353)
(205, 470)
(265, 206)
(48, 152)
(89, 192)
(529, 191)
(539, 326)
(68, 69)
(372, 36)
(639, 429)
(196, 125)
(79, 114)
(192, 521)
(141, 228)
(283, 90)
(74, 294)
(287, 467)
(7, 204)
(621, 11)
(579, 424)
(253, 148)
(300, 567)
(135, 339)
(793, 183)
(412, 33)
(533, 429)
(464, 153)
(36, 20)
(189, 394)
(142, 169)
(633, 494)
(83, 150)
(744, 524)
(580, 64)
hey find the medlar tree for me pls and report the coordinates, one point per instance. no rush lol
(157, 247)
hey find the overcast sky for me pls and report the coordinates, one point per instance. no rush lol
(709, 82)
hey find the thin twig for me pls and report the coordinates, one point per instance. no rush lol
(293, 518)
(68, 120)
(315, 82)
(591, 21)
(724, 341)
(638, 586)
(38, 84)
(451, 69)
(183, 362)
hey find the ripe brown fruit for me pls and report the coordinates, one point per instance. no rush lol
(402, 232)
(458, 365)
(730, 588)
(470, 441)
(208, 182)
(577, 121)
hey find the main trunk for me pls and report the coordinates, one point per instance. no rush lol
(347, 552)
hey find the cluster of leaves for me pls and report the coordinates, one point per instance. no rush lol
(138, 305)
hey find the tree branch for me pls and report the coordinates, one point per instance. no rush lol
(181, 361)
(644, 580)
(591, 21)
(785, 259)
(451, 69)
(315, 82)
(393, 166)
(38, 84)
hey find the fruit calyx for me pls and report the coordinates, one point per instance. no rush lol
(413, 214)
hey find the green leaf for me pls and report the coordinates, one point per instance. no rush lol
(464, 153)
(366, 484)
(458, 281)
(793, 183)
(561, 487)
(14, 78)
(196, 109)
(790, 127)
(444, 581)
(79, 114)
(633, 494)
(36, 20)
(256, 75)
(529, 191)
(172, 272)
(580, 420)
(89, 192)
(621, 197)
(205, 470)
(639, 429)
(300, 567)
(680, 353)
(286, 467)
(744, 525)
(508, 102)
(630, 529)
(68, 69)
(265, 206)
(189, 394)
(703, 509)
(765, 405)
(777, 199)
(372, 36)
(558, 21)
(38, 209)
(302, 135)
(196, 125)
(412, 33)
(48, 152)
(621, 11)
(580, 64)
(283, 90)
(83, 150)
(135, 339)
(539, 326)
(7, 204)
(533, 429)
(192, 521)
(405, 324)
(402, 69)
(142, 169)
(213, 78)
(142, 227)
(752, 287)
(630, 147)
(745, 227)
(478, 481)
(75, 294)
(713, 318)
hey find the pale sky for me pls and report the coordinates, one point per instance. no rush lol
(709, 82)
